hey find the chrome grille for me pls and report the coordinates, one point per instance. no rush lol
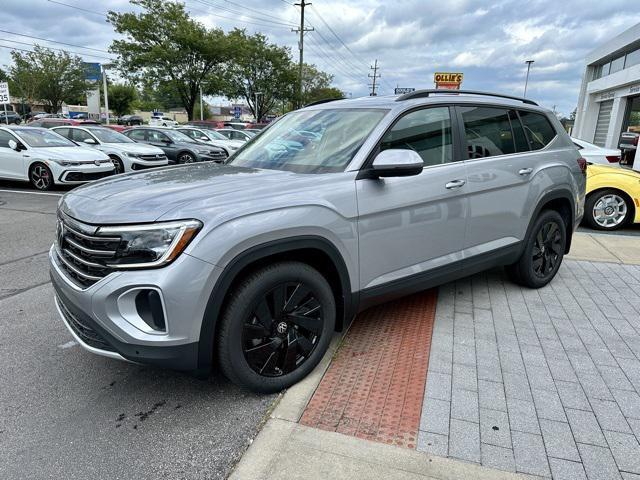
(152, 158)
(82, 254)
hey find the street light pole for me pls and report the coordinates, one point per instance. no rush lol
(526, 82)
(106, 95)
(201, 111)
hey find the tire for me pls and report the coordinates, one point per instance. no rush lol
(117, 163)
(267, 349)
(186, 157)
(40, 177)
(607, 210)
(537, 266)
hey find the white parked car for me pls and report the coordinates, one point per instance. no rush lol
(595, 154)
(233, 134)
(45, 158)
(163, 122)
(126, 154)
(212, 137)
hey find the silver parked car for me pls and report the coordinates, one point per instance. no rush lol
(254, 264)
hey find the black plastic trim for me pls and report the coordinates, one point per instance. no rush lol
(564, 194)
(256, 253)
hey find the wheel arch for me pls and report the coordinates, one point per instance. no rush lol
(316, 251)
(562, 202)
(628, 197)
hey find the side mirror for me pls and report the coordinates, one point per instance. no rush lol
(204, 139)
(167, 141)
(89, 141)
(13, 145)
(396, 163)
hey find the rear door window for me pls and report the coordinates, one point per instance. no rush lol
(488, 131)
(138, 135)
(65, 132)
(538, 129)
(80, 135)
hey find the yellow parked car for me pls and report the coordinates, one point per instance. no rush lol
(613, 197)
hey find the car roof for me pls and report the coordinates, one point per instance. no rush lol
(430, 97)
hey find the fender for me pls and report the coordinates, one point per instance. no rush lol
(564, 194)
(346, 308)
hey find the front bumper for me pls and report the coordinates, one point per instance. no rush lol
(76, 175)
(102, 324)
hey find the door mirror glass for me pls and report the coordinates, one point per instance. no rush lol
(89, 141)
(397, 163)
(15, 145)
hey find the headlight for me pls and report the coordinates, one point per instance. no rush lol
(131, 155)
(153, 245)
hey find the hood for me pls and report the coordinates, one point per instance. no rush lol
(69, 153)
(148, 195)
(140, 148)
(596, 169)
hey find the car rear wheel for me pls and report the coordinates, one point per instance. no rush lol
(276, 327)
(543, 252)
(41, 177)
(186, 158)
(607, 210)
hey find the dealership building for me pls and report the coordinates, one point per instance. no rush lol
(609, 101)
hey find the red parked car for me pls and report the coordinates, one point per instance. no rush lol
(60, 122)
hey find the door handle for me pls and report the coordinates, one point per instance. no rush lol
(525, 171)
(455, 184)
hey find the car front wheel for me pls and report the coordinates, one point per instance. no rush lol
(543, 251)
(41, 177)
(276, 327)
(607, 210)
(186, 158)
(118, 165)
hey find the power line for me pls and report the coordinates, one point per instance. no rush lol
(54, 41)
(95, 12)
(374, 77)
(57, 49)
(315, 11)
(265, 24)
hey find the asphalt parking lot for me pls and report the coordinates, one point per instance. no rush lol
(65, 413)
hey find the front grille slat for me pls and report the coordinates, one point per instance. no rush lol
(82, 253)
(87, 334)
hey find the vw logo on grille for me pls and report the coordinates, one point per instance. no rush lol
(282, 327)
(97, 162)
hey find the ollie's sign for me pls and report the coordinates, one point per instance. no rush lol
(448, 80)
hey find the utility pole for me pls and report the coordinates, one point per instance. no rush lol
(526, 82)
(106, 95)
(301, 31)
(374, 77)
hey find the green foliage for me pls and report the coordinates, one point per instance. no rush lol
(164, 44)
(316, 85)
(258, 67)
(48, 76)
(122, 99)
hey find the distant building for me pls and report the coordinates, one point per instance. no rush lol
(609, 101)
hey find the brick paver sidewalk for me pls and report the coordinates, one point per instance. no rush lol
(543, 381)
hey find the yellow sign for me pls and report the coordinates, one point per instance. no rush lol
(448, 80)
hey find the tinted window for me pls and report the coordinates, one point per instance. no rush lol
(137, 135)
(488, 131)
(538, 129)
(38, 137)
(617, 64)
(522, 145)
(4, 139)
(65, 132)
(156, 136)
(633, 58)
(80, 135)
(426, 132)
(191, 133)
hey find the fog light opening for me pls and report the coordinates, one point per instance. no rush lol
(149, 308)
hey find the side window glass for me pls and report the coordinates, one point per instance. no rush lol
(137, 135)
(522, 145)
(80, 135)
(488, 131)
(155, 136)
(538, 129)
(427, 132)
(65, 132)
(4, 139)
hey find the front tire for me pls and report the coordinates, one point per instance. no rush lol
(543, 252)
(607, 210)
(276, 327)
(117, 163)
(186, 157)
(41, 177)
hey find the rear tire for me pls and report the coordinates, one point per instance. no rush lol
(607, 210)
(276, 327)
(543, 252)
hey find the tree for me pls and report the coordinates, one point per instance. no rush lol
(163, 43)
(261, 72)
(48, 76)
(316, 85)
(122, 99)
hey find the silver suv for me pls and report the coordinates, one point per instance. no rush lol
(251, 266)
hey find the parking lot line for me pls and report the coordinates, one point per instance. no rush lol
(32, 193)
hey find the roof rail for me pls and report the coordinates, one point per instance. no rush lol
(320, 102)
(427, 92)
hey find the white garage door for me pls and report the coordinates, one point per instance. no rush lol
(602, 125)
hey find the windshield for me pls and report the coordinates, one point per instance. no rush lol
(109, 136)
(316, 141)
(40, 137)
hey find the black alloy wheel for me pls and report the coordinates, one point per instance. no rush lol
(186, 158)
(41, 177)
(282, 330)
(543, 251)
(547, 249)
(276, 326)
(118, 165)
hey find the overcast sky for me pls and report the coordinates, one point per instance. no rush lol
(487, 41)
